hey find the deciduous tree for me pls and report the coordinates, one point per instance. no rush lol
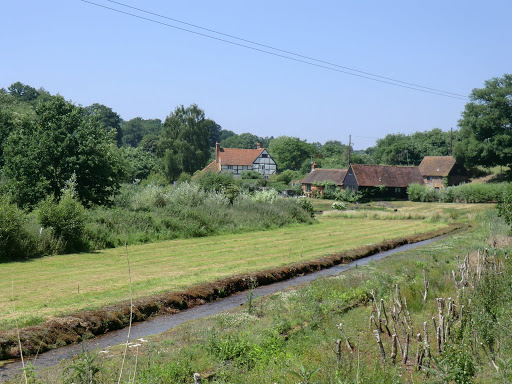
(486, 125)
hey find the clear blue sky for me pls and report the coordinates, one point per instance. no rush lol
(89, 54)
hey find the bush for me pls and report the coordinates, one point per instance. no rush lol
(464, 193)
(348, 196)
(66, 219)
(338, 205)
(15, 241)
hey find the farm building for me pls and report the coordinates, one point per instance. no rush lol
(441, 171)
(318, 179)
(381, 180)
(237, 160)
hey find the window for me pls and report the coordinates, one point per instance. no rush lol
(264, 155)
(230, 167)
(398, 190)
(308, 187)
(262, 166)
(429, 178)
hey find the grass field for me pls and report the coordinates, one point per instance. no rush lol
(289, 337)
(59, 285)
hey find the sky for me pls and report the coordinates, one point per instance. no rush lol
(90, 54)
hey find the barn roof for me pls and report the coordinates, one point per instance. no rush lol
(388, 175)
(319, 175)
(436, 165)
(236, 156)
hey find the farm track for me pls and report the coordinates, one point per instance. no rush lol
(71, 329)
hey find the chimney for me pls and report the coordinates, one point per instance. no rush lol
(217, 153)
(259, 145)
(314, 166)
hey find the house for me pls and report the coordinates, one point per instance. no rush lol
(312, 183)
(381, 180)
(237, 160)
(441, 171)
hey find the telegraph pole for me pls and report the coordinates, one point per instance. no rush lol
(349, 144)
(451, 141)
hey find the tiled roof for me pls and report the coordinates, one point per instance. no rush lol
(319, 175)
(212, 167)
(387, 175)
(236, 156)
(436, 165)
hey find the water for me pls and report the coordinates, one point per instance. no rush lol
(163, 323)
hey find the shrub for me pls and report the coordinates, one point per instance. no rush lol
(338, 205)
(307, 206)
(349, 196)
(15, 241)
(269, 196)
(66, 218)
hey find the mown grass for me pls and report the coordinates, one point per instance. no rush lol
(294, 330)
(62, 284)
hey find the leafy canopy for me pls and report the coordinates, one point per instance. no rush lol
(486, 125)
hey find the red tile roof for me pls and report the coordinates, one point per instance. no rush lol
(436, 165)
(212, 167)
(387, 175)
(236, 156)
(319, 175)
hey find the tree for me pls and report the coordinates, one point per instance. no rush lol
(136, 129)
(42, 154)
(23, 91)
(486, 125)
(290, 152)
(243, 141)
(108, 118)
(214, 130)
(184, 141)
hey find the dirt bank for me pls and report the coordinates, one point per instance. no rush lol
(75, 327)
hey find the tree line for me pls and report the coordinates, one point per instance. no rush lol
(46, 140)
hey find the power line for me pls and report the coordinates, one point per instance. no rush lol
(283, 50)
(392, 82)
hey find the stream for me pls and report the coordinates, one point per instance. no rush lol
(163, 323)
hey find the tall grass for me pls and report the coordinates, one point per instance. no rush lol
(465, 193)
(138, 215)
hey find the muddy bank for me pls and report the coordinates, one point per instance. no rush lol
(74, 328)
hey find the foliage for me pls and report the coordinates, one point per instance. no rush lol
(15, 241)
(400, 149)
(109, 119)
(66, 218)
(83, 370)
(464, 193)
(339, 206)
(290, 152)
(486, 125)
(307, 206)
(184, 141)
(213, 181)
(40, 155)
(244, 141)
(349, 196)
(139, 163)
(134, 131)
(505, 205)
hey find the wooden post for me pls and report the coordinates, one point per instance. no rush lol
(347, 341)
(406, 349)
(426, 284)
(383, 310)
(338, 352)
(426, 343)
(381, 347)
(419, 352)
(393, 348)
